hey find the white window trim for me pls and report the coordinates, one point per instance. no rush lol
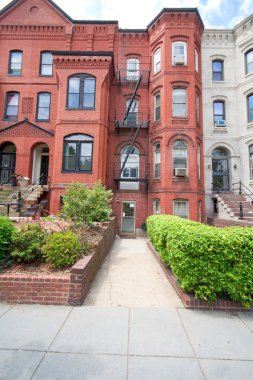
(175, 44)
(157, 106)
(196, 56)
(157, 60)
(187, 207)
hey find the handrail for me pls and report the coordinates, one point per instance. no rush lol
(242, 191)
(3, 185)
(34, 186)
(233, 201)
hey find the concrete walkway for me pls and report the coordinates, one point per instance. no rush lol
(160, 341)
(131, 277)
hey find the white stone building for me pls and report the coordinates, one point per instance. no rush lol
(227, 64)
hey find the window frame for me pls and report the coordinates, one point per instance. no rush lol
(156, 210)
(247, 63)
(90, 141)
(217, 115)
(157, 107)
(218, 72)
(41, 64)
(197, 108)
(17, 73)
(196, 60)
(199, 160)
(186, 202)
(11, 118)
(174, 45)
(185, 103)
(82, 78)
(175, 149)
(249, 110)
(157, 62)
(136, 73)
(37, 110)
(157, 160)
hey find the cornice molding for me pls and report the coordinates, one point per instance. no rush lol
(82, 62)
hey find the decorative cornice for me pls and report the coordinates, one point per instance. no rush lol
(81, 62)
(34, 31)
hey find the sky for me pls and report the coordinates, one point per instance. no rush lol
(139, 13)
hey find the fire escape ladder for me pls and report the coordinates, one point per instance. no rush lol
(130, 148)
(132, 99)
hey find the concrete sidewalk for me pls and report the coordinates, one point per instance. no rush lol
(160, 341)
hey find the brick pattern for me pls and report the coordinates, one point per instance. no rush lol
(58, 290)
(189, 301)
(27, 106)
(216, 222)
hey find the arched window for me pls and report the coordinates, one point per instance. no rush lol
(179, 102)
(249, 61)
(15, 62)
(157, 160)
(77, 153)
(133, 69)
(219, 113)
(11, 106)
(250, 108)
(220, 169)
(179, 53)
(180, 159)
(46, 63)
(81, 92)
(157, 60)
(217, 69)
(43, 106)
(131, 169)
(156, 206)
(251, 161)
(181, 208)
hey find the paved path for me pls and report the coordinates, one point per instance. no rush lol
(131, 277)
(160, 341)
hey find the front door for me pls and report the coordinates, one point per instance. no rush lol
(128, 217)
(7, 166)
(44, 170)
(220, 170)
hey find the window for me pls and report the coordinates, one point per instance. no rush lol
(157, 106)
(250, 108)
(180, 158)
(179, 53)
(132, 69)
(219, 113)
(81, 92)
(132, 117)
(15, 63)
(131, 168)
(181, 208)
(156, 206)
(199, 161)
(157, 160)
(179, 102)
(217, 70)
(77, 153)
(200, 211)
(43, 106)
(157, 61)
(249, 62)
(251, 161)
(46, 64)
(196, 60)
(197, 109)
(11, 108)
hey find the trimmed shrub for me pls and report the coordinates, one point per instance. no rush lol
(6, 233)
(27, 242)
(207, 261)
(62, 249)
(87, 205)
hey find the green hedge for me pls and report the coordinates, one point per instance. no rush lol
(6, 234)
(207, 261)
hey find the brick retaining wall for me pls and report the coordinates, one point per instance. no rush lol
(69, 289)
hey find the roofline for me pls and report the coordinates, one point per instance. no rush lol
(133, 30)
(27, 121)
(171, 10)
(85, 53)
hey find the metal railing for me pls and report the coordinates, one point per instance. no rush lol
(38, 182)
(12, 180)
(242, 190)
(227, 197)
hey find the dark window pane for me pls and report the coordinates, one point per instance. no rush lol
(85, 163)
(69, 163)
(70, 149)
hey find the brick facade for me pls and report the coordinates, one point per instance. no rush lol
(101, 50)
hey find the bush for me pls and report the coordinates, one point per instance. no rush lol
(62, 249)
(87, 205)
(207, 261)
(27, 242)
(6, 233)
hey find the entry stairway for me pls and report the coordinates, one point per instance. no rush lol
(9, 193)
(234, 207)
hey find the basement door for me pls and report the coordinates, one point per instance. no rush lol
(128, 217)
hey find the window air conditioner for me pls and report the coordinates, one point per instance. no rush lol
(181, 172)
(179, 60)
(220, 123)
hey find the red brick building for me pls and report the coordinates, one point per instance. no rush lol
(86, 101)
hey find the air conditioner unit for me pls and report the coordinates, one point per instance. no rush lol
(179, 60)
(181, 172)
(220, 123)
